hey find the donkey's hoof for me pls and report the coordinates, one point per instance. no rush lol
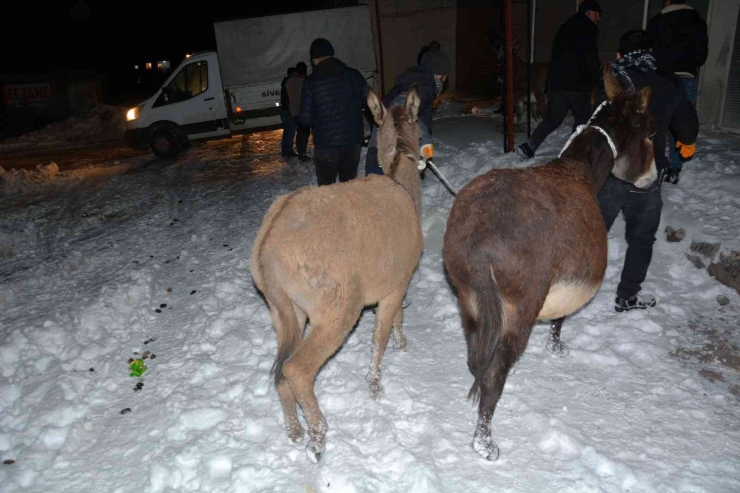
(376, 390)
(485, 447)
(400, 342)
(557, 348)
(314, 450)
(295, 434)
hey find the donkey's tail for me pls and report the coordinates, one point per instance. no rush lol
(490, 323)
(289, 334)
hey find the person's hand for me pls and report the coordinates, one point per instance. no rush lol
(686, 150)
(427, 150)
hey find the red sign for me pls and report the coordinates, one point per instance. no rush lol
(16, 95)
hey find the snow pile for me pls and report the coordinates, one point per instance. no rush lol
(101, 123)
(16, 181)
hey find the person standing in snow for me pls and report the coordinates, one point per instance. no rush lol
(294, 86)
(636, 68)
(681, 46)
(332, 99)
(289, 127)
(573, 73)
(430, 77)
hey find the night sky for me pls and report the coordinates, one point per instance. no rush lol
(99, 35)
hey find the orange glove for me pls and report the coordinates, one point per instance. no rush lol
(427, 150)
(686, 150)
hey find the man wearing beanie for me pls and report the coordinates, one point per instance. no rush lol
(573, 72)
(332, 99)
(429, 77)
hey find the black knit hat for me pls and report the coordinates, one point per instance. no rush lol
(587, 5)
(437, 61)
(320, 48)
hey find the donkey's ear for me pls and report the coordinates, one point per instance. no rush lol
(376, 107)
(611, 85)
(643, 99)
(413, 101)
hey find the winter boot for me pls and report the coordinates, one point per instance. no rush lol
(641, 301)
(672, 176)
(525, 150)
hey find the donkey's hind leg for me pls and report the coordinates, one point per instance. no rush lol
(554, 344)
(328, 331)
(510, 345)
(399, 338)
(385, 318)
(293, 427)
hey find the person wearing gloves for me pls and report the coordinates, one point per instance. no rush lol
(636, 68)
(680, 45)
(429, 77)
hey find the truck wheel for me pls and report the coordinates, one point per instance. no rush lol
(165, 143)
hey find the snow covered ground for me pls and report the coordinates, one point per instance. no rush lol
(99, 266)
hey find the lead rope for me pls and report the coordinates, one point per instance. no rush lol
(581, 128)
(423, 164)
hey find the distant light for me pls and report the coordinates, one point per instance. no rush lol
(188, 55)
(148, 65)
(277, 104)
(238, 109)
(136, 67)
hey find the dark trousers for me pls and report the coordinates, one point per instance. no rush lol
(558, 105)
(301, 141)
(289, 128)
(372, 166)
(641, 209)
(336, 161)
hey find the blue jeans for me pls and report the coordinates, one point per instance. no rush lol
(641, 209)
(674, 156)
(289, 128)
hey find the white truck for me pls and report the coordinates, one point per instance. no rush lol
(213, 94)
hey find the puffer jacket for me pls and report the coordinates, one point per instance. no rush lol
(331, 103)
(424, 79)
(680, 42)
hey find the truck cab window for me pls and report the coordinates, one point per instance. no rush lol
(190, 81)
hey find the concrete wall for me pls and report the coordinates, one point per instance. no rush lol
(722, 22)
(406, 26)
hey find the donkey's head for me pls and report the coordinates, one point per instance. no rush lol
(632, 128)
(398, 133)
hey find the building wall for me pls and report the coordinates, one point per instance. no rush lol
(406, 26)
(722, 22)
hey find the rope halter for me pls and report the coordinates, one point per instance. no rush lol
(581, 128)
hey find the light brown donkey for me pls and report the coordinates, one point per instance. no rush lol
(325, 253)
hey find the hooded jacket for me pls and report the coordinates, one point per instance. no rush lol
(680, 41)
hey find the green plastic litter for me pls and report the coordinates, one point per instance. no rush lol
(138, 367)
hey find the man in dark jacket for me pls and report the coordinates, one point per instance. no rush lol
(289, 126)
(635, 68)
(429, 77)
(332, 99)
(680, 45)
(573, 73)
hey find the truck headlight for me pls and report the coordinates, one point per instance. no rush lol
(133, 113)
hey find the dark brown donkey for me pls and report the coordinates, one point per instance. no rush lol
(528, 244)
(325, 253)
